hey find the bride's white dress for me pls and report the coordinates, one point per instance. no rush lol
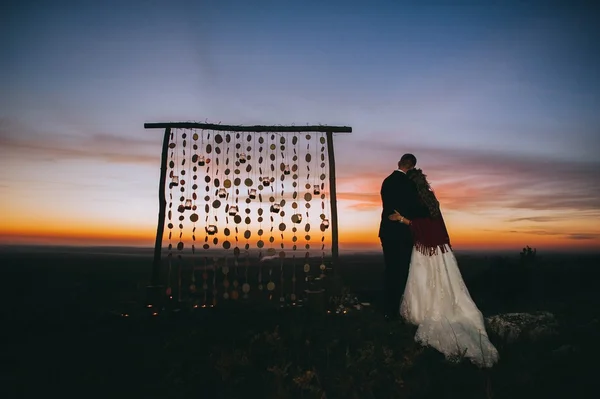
(438, 302)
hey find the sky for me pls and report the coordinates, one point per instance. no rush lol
(499, 104)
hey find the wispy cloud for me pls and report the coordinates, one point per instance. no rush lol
(54, 146)
(539, 219)
(362, 197)
(540, 232)
(583, 236)
(473, 179)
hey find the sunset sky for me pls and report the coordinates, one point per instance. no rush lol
(499, 104)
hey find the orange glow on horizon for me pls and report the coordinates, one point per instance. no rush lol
(100, 235)
(473, 223)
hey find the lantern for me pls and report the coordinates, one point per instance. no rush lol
(222, 192)
(188, 204)
(242, 158)
(275, 208)
(211, 230)
(201, 161)
(316, 189)
(233, 210)
(252, 193)
(286, 170)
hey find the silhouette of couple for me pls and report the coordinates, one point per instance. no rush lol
(422, 283)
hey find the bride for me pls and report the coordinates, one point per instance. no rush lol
(436, 298)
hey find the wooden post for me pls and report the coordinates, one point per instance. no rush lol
(333, 201)
(162, 204)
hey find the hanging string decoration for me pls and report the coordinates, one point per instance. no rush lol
(243, 206)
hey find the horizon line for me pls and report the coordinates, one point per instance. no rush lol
(150, 249)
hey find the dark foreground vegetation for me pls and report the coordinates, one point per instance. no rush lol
(65, 336)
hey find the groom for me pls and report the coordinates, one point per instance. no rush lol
(398, 193)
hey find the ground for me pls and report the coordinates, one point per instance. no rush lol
(62, 336)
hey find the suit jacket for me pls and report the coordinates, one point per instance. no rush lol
(399, 193)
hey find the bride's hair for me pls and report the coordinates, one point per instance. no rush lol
(426, 194)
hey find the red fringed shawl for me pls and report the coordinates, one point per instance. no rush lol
(429, 234)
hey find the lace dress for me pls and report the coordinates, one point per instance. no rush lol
(438, 302)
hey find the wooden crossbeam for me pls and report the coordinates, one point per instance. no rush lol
(251, 129)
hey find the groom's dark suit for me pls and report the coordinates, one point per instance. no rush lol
(398, 193)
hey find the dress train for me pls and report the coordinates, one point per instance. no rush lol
(438, 302)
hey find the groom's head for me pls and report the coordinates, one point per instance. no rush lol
(407, 162)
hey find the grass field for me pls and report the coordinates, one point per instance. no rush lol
(63, 335)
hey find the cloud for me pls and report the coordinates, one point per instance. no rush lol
(362, 206)
(540, 232)
(539, 219)
(19, 139)
(478, 179)
(583, 236)
(557, 233)
(81, 150)
(362, 197)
